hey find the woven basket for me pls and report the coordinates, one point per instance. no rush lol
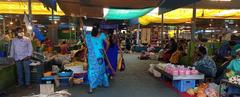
(47, 74)
(77, 81)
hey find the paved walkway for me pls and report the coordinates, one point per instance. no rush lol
(134, 82)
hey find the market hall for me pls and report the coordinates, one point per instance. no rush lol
(109, 48)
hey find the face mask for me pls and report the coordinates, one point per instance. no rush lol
(114, 32)
(20, 34)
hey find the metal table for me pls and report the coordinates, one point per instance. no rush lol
(180, 77)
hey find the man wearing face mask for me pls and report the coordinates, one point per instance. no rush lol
(21, 52)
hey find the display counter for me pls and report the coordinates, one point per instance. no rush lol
(181, 82)
(8, 75)
(180, 77)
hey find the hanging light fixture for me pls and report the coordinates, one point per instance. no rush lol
(29, 27)
(11, 23)
(221, 0)
(73, 28)
(55, 22)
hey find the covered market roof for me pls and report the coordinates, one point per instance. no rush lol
(20, 6)
(183, 15)
(206, 9)
(217, 9)
(94, 8)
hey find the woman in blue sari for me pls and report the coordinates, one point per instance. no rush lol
(96, 55)
(112, 52)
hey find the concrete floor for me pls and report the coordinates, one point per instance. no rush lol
(135, 81)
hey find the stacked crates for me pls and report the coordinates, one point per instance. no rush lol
(36, 73)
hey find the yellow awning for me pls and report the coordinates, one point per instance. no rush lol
(182, 15)
(21, 7)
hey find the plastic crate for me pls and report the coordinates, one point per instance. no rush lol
(37, 69)
(47, 80)
(64, 82)
(36, 73)
(184, 85)
(3, 54)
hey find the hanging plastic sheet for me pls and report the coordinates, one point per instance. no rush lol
(50, 4)
(183, 15)
(19, 8)
(167, 5)
(124, 14)
(38, 33)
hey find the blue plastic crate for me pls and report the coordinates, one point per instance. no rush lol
(184, 85)
(3, 54)
(47, 79)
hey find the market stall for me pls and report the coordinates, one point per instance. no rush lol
(7, 68)
(182, 78)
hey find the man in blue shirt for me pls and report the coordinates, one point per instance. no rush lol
(21, 51)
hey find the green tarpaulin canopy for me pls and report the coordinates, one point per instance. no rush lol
(124, 14)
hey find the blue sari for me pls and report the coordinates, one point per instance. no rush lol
(96, 65)
(112, 54)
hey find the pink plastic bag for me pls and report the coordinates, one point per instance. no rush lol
(182, 72)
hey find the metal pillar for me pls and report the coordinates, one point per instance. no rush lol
(193, 22)
(138, 33)
(52, 16)
(4, 25)
(162, 27)
(177, 33)
(52, 29)
(30, 11)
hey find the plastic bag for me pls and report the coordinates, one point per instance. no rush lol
(121, 64)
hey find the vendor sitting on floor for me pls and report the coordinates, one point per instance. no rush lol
(144, 55)
(176, 55)
(64, 48)
(172, 48)
(234, 67)
(150, 48)
(204, 63)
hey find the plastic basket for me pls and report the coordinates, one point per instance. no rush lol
(184, 85)
(65, 74)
